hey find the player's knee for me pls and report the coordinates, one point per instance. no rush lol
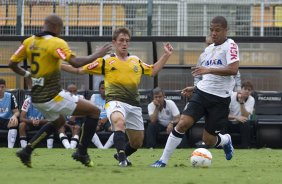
(119, 126)
(185, 123)
(182, 127)
(95, 112)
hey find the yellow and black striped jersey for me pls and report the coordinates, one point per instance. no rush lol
(121, 77)
(43, 53)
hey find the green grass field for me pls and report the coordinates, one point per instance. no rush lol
(259, 166)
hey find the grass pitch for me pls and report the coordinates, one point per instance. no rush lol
(259, 166)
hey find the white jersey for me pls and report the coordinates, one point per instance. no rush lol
(219, 56)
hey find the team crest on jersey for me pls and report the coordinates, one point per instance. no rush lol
(167, 112)
(135, 68)
(92, 65)
(61, 53)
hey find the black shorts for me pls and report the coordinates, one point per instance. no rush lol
(215, 109)
(31, 127)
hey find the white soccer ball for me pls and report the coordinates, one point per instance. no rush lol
(201, 157)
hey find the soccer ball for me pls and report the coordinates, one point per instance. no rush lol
(201, 157)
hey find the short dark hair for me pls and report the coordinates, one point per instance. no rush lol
(157, 90)
(2, 81)
(119, 30)
(220, 20)
(101, 83)
(247, 84)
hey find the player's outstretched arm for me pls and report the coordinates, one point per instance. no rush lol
(71, 69)
(168, 49)
(99, 52)
(14, 66)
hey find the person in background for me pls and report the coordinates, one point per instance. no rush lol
(163, 116)
(31, 119)
(241, 108)
(103, 124)
(9, 114)
(73, 123)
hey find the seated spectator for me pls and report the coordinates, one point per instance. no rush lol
(73, 123)
(241, 109)
(9, 114)
(163, 116)
(31, 119)
(103, 124)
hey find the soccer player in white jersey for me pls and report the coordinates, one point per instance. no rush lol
(211, 96)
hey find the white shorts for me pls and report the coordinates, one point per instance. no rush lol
(132, 114)
(62, 104)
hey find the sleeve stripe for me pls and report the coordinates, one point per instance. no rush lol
(141, 66)
(103, 66)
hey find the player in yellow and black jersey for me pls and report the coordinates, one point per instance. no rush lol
(44, 52)
(122, 73)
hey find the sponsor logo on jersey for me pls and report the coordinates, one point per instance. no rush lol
(19, 49)
(233, 51)
(133, 61)
(213, 62)
(111, 62)
(61, 53)
(4, 109)
(93, 65)
(25, 105)
(149, 66)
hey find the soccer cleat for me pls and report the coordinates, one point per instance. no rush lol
(158, 163)
(123, 163)
(228, 149)
(128, 163)
(25, 157)
(84, 159)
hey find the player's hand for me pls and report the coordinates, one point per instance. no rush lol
(169, 128)
(13, 122)
(35, 122)
(188, 91)
(70, 123)
(157, 104)
(168, 48)
(105, 49)
(199, 70)
(242, 119)
(242, 96)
